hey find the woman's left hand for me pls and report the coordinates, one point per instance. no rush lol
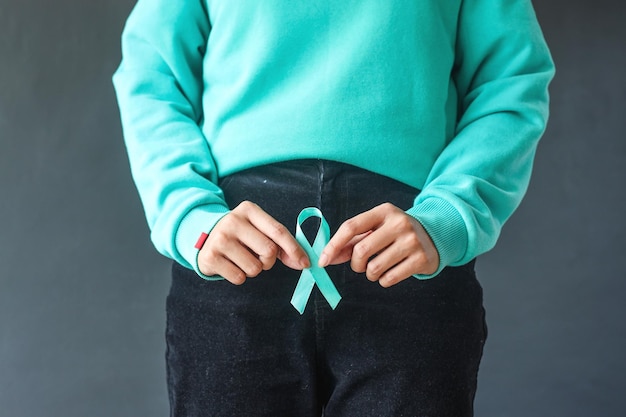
(385, 243)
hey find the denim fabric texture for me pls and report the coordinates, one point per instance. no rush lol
(410, 350)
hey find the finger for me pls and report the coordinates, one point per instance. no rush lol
(373, 244)
(346, 253)
(243, 259)
(385, 260)
(357, 225)
(227, 270)
(290, 253)
(398, 273)
(344, 256)
(261, 246)
(222, 248)
(224, 243)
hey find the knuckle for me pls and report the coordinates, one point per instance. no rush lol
(391, 278)
(403, 223)
(420, 259)
(217, 235)
(211, 257)
(220, 239)
(422, 264)
(270, 250)
(371, 277)
(238, 278)
(278, 230)
(413, 241)
(207, 253)
(349, 226)
(245, 206)
(361, 250)
(374, 269)
(255, 269)
(268, 263)
(358, 267)
(388, 281)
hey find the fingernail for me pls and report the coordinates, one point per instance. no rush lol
(323, 260)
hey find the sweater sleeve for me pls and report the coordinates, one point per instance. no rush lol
(159, 88)
(501, 75)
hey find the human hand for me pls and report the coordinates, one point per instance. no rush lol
(385, 243)
(247, 241)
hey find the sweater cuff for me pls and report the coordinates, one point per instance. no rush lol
(445, 226)
(199, 220)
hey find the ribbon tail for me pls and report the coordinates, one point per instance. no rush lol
(326, 287)
(332, 296)
(303, 291)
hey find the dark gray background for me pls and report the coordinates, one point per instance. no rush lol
(82, 291)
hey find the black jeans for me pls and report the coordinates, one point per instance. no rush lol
(409, 350)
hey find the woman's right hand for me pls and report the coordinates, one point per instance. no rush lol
(247, 241)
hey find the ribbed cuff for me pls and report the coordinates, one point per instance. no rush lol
(200, 220)
(446, 228)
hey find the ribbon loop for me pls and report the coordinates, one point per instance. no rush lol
(314, 274)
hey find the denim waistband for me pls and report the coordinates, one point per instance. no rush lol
(339, 190)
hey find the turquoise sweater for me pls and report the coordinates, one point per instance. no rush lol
(446, 96)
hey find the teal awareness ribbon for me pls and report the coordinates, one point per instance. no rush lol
(314, 274)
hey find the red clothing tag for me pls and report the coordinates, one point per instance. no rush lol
(201, 241)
